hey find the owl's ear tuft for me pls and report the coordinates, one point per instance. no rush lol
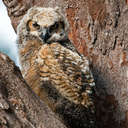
(34, 10)
(58, 9)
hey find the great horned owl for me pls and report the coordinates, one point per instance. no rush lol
(54, 69)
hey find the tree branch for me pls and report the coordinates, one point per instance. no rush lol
(19, 106)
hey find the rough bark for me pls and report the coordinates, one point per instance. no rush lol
(99, 30)
(19, 106)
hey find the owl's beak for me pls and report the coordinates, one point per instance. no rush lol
(45, 35)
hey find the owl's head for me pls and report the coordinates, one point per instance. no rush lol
(47, 24)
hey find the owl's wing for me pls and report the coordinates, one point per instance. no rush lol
(73, 77)
(80, 76)
(87, 84)
(67, 44)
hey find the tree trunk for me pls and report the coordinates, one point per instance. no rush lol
(99, 30)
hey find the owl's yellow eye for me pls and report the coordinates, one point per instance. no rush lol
(35, 25)
(53, 27)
